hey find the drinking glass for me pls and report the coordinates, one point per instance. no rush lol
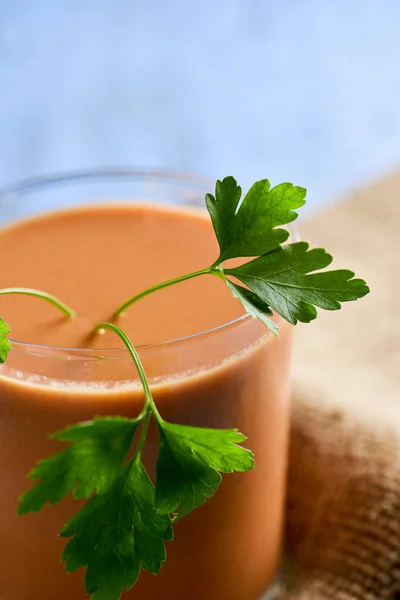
(233, 376)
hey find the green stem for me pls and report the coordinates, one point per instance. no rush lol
(160, 286)
(149, 402)
(143, 434)
(149, 406)
(44, 296)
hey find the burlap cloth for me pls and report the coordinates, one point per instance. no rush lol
(343, 517)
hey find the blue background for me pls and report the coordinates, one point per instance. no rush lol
(306, 91)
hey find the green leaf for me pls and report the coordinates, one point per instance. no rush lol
(5, 344)
(189, 464)
(282, 280)
(249, 229)
(255, 306)
(90, 465)
(116, 534)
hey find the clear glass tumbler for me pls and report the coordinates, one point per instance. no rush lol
(236, 375)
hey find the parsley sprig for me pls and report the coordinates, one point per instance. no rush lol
(280, 277)
(123, 526)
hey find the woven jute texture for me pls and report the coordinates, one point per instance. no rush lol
(343, 509)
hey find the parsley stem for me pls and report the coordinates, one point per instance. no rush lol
(149, 402)
(160, 286)
(143, 434)
(39, 294)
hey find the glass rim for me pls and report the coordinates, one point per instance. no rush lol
(82, 175)
(78, 175)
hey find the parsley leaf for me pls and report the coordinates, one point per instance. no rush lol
(116, 534)
(255, 306)
(249, 229)
(89, 465)
(5, 344)
(189, 462)
(282, 280)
